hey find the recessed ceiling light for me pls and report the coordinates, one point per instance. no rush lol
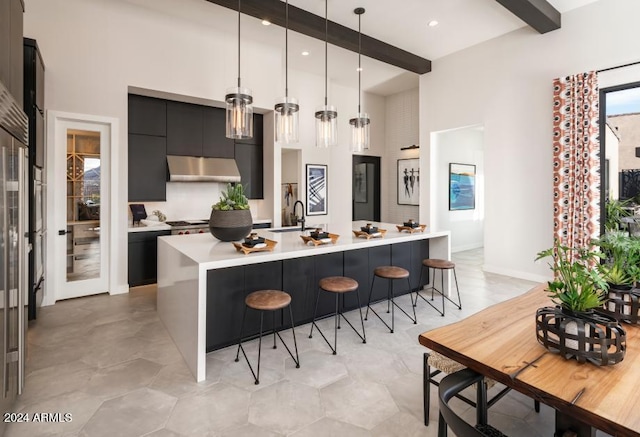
(432, 23)
(266, 22)
(305, 53)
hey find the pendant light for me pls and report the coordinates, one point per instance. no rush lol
(326, 116)
(360, 124)
(239, 122)
(286, 112)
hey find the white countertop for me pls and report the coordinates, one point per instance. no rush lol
(211, 253)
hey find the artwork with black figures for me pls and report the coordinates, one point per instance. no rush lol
(409, 181)
(360, 183)
(316, 189)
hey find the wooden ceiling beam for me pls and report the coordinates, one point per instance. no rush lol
(313, 25)
(539, 14)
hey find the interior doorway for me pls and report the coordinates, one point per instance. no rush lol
(79, 241)
(366, 188)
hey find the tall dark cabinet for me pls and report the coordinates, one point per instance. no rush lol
(34, 108)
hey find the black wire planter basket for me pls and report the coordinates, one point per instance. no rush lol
(590, 336)
(623, 304)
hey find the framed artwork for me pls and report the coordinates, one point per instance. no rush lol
(409, 181)
(289, 198)
(462, 186)
(316, 189)
(360, 183)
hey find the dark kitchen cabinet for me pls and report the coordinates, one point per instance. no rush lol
(226, 291)
(298, 279)
(214, 142)
(147, 116)
(379, 256)
(11, 50)
(258, 131)
(419, 251)
(147, 168)
(328, 264)
(356, 266)
(184, 129)
(34, 100)
(143, 254)
(250, 164)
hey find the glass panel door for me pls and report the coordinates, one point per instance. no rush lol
(83, 205)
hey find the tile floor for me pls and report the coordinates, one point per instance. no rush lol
(109, 362)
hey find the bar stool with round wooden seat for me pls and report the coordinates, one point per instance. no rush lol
(263, 301)
(442, 265)
(391, 273)
(339, 286)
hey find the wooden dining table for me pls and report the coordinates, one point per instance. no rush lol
(500, 343)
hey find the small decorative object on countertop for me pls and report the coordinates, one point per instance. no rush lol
(253, 240)
(370, 231)
(411, 226)
(160, 215)
(266, 246)
(318, 237)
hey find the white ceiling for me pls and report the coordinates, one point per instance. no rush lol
(462, 24)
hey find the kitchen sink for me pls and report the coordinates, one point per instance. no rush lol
(286, 230)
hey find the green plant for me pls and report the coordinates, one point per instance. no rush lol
(232, 198)
(615, 211)
(579, 283)
(622, 257)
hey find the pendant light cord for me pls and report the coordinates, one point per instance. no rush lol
(359, 64)
(238, 43)
(326, 36)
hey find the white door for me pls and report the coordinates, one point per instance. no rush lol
(80, 190)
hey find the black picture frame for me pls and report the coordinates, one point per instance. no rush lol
(317, 189)
(408, 184)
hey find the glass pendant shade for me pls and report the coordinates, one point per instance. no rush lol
(326, 126)
(239, 120)
(286, 120)
(360, 127)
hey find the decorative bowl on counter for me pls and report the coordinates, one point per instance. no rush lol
(253, 240)
(369, 228)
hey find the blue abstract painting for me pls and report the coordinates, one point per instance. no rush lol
(462, 186)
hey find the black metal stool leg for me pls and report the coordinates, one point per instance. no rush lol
(433, 279)
(426, 387)
(259, 347)
(244, 315)
(336, 322)
(274, 328)
(413, 307)
(364, 334)
(295, 343)
(442, 288)
(313, 321)
(457, 289)
(366, 316)
(393, 313)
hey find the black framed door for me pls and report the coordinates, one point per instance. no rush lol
(366, 188)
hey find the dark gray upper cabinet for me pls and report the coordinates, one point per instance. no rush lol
(215, 144)
(249, 159)
(11, 50)
(34, 100)
(147, 168)
(258, 131)
(184, 129)
(147, 116)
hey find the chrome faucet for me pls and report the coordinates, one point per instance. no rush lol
(301, 219)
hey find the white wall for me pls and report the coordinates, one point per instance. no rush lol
(402, 130)
(462, 146)
(94, 50)
(506, 85)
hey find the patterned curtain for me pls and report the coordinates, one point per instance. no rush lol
(576, 160)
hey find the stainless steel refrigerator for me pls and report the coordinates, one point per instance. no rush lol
(13, 248)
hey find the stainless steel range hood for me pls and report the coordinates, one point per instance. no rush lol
(198, 169)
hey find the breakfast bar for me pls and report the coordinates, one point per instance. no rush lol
(202, 282)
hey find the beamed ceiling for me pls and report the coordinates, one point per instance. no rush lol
(539, 14)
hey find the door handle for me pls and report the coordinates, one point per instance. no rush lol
(63, 232)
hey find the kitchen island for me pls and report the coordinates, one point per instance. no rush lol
(202, 282)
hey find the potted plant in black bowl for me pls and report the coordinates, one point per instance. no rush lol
(230, 218)
(622, 272)
(573, 328)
